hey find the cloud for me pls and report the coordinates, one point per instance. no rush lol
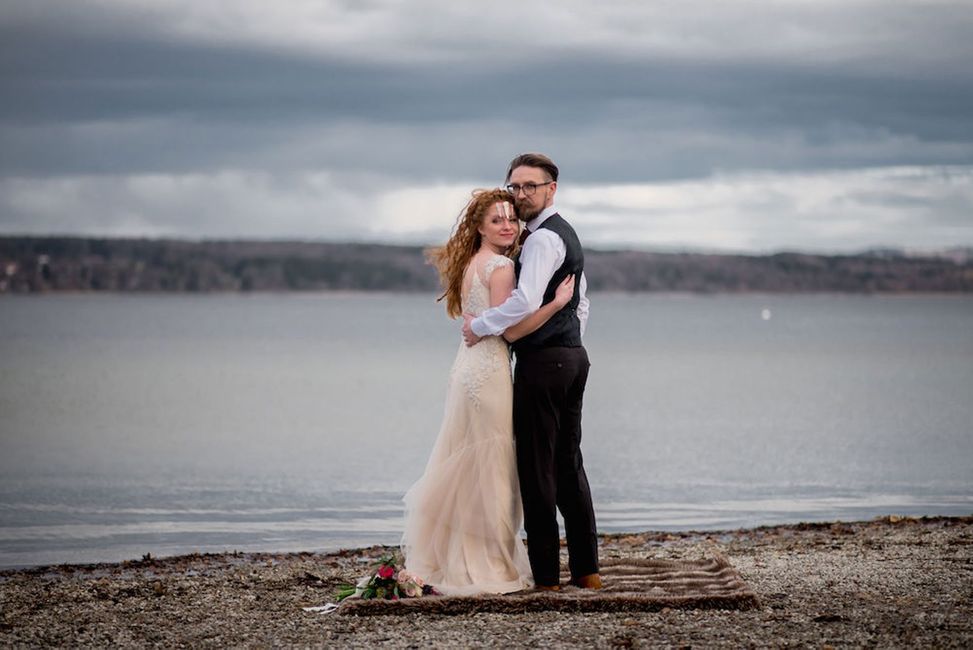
(838, 211)
(434, 94)
(233, 205)
(842, 211)
(860, 33)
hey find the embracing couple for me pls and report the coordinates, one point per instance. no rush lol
(509, 452)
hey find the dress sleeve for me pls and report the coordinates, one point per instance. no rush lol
(495, 263)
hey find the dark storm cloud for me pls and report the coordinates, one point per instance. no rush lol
(52, 77)
(756, 125)
(104, 103)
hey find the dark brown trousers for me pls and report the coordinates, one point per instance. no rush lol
(548, 390)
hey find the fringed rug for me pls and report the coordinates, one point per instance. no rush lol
(629, 585)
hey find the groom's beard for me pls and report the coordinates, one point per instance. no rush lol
(524, 213)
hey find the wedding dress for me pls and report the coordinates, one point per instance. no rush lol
(463, 516)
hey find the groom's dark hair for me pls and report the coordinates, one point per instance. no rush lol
(533, 160)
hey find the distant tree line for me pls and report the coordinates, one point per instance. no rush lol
(39, 264)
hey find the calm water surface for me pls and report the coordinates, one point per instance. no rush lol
(173, 424)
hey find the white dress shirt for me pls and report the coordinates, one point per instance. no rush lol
(542, 254)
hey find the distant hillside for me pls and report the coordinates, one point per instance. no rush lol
(39, 264)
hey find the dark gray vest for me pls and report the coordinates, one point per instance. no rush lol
(564, 328)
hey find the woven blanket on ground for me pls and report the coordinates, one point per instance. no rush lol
(629, 585)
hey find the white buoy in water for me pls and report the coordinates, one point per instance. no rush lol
(765, 314)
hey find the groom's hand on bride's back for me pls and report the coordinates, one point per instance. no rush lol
(468, 335)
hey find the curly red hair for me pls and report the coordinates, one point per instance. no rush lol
(452, 259)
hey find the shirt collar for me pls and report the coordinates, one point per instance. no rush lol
(536, 222)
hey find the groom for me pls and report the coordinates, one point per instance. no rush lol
(549, 380)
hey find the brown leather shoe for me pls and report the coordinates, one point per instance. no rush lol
(548, 587)
(590, 581)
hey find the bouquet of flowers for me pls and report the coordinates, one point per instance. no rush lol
(388, 583)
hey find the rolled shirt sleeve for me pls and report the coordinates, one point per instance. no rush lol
(583, 304)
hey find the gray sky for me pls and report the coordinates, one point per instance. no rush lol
(747, 125)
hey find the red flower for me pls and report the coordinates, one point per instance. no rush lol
(385, 572)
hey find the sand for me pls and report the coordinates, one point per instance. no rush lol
(889, 582)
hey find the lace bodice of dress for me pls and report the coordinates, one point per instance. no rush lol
(474, 364)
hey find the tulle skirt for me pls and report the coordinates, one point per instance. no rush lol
(463, 516)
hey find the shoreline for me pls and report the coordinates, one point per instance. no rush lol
(656, 534)
(891, 581)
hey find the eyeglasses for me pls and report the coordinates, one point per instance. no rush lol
(528, 188)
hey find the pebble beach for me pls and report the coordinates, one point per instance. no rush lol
(889, 582)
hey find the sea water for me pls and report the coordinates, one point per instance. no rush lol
(134, 424)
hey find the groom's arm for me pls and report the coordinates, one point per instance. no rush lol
(543, 253)
(583, 303)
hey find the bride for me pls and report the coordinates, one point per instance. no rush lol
(463, 516)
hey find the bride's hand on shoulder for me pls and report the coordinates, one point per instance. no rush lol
(564, 291)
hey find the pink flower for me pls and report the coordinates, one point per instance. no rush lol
(409, 584)
(385, 572)
(405, 577)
